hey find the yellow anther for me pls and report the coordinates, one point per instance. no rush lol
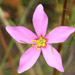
(37, 48)
(41, 42)
(33, 40)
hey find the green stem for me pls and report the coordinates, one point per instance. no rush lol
(2, 18)
(62, 24)
(68, 48)
(23, 19)
(38, 69)
(57, 2)
(5, 57)
(10, 60)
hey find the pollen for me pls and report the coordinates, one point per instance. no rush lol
(40, 42)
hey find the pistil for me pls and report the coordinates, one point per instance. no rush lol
(41, 42)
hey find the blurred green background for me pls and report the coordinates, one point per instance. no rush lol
(20, 12)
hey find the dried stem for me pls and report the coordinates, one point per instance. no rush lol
(70, 7)
(69, 11)
(6, 51)
(62, 24)
(63, 13)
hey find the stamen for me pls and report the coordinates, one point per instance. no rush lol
(37, 48)
(41, 42)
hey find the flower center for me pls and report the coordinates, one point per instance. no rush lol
(41, 42)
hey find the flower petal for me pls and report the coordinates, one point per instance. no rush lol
(21, 34)
(53, 58)
(40, 20)
(28, 59)
(59, 34)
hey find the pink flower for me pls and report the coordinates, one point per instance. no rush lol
(40, 42)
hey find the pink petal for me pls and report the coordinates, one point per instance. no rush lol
(21, 34)
(40, 20)
(28, 59)
(59, 34)
(53, 58)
